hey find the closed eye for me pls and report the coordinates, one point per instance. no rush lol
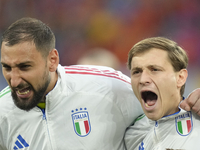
(24, 67)
(136, 72)
(154, 69)
(6, 67)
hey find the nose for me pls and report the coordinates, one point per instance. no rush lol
(15, 78)
(145, 78)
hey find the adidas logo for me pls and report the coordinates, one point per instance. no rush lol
(20, 143)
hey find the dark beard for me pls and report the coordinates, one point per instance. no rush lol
(38, 95)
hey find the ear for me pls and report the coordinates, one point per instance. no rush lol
(181, 78)
(53, 60)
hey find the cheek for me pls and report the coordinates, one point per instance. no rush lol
(135, 89)
(35, 79)
(5, 76)
(133, 84)
(167, 89)
(168, 82)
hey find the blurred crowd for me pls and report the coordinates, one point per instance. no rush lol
(115, 25)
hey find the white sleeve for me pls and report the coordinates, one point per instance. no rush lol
(125, 98)
(1, 142)
(112, 84)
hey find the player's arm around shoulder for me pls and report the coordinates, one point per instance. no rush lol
(192, 102)
(123, 96)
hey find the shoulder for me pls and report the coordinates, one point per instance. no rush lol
(109, 84)
(136, 133)
(141, 121)
(87, 76)
(97, 71)
(5, 91)
(140, 127)
(6, 102)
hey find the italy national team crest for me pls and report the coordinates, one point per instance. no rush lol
(81, 122)
(184, 124)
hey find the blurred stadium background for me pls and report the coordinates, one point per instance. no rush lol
(116, 25)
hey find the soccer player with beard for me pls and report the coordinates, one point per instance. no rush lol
(52, 107)
(27, 73)
(21, 97)
(158, 75)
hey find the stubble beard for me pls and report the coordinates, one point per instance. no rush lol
(38, 96)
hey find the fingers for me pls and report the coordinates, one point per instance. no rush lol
(198, 113)
(185, 106)
(196, 107)
(192, 102)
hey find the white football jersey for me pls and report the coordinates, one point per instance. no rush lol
(89, 108)
(180, 131)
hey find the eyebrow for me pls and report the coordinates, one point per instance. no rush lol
(153, 65)
(149, 66)
(20, 64)
(136, 68)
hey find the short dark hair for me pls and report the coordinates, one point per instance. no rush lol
(33, 30)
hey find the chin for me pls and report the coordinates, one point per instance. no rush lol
(152, 116)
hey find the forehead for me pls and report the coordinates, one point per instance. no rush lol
(19, 53)
(152, 56)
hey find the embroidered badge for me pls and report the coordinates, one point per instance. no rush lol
(184, 124)
(81, 122)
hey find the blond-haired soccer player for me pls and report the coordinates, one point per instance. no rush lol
(158, 75)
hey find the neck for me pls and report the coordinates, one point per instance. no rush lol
(53, 81)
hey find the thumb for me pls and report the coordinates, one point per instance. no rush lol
(184, 105)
